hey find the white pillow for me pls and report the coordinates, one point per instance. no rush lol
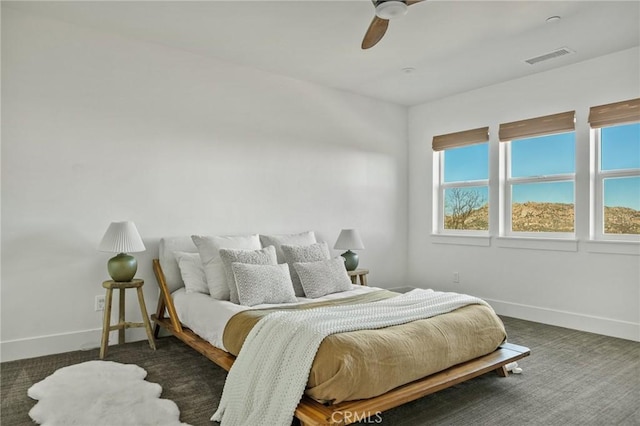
(265, 256)
(192, 272)
(301, 239)
(310, 253)
(209, 247)
(323, 277)
(258, 284)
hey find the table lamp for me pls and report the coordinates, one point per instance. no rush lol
(349, 239)
(122, 238)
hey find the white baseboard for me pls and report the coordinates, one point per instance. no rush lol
(606, 326)
(59, 343)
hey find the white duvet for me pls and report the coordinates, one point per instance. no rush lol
(208, 317)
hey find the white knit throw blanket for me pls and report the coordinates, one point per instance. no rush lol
(269, 376)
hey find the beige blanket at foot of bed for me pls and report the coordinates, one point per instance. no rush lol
(367, 363)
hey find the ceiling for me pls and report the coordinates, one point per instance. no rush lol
(453, 46)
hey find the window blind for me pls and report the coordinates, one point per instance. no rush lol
(615, 113)
(459, 139)
(539, 126)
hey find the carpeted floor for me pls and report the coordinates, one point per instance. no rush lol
(571, 378)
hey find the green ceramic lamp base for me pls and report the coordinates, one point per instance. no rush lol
(122, 268)
(350, 260)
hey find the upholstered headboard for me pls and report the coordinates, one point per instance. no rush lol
(168, 246)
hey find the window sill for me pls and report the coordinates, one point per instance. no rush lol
(463, 240)
(612, 247)
(552, 244)
(537, 243)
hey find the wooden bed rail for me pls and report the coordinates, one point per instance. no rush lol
(311, 412)
(164, 301)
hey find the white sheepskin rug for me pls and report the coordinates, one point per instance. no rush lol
(101, 393)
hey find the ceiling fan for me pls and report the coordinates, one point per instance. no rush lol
(385, 10)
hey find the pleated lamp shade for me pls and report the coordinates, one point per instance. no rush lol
(122, 237)
(349, 239)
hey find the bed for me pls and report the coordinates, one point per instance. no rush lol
(328, 400)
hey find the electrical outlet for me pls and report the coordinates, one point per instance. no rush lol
(99, 303)
(456, 277)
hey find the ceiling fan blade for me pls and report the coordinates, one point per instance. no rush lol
(410, 2)
(375, 32)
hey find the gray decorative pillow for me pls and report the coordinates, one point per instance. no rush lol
(301, 239)
(265, 256)
(323, 277)
(310, 253)
(209, 248)
(258, 284)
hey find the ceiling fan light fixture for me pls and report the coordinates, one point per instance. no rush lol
(391, 9)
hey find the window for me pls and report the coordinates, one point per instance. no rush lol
(542, 171)
(462, 161)
(539, 176)
(616, 187)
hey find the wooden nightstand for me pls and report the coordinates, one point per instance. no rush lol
(122, 324)
(358, 273)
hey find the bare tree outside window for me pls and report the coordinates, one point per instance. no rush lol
(466, 209)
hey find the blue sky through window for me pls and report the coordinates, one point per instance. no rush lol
(467, 163)
(544, 155)
(555, 154)
(622, 192)
(621, 147)
(620, 150)
(546, 192)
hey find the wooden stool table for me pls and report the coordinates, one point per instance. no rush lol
(122, 324)
(358, 273)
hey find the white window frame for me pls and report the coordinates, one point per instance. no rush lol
(597, 190)
(508, 182)
(441, 186)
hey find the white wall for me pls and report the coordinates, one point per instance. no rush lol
(578, 289)
(98, 128)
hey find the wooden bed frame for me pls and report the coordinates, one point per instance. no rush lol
(311, 412)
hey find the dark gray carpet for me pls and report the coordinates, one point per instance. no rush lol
(571, 378)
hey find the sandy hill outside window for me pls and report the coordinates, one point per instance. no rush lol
(615, 189)
(538, 172)
(461, 168)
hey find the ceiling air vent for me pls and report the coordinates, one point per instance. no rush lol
(551, 55)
